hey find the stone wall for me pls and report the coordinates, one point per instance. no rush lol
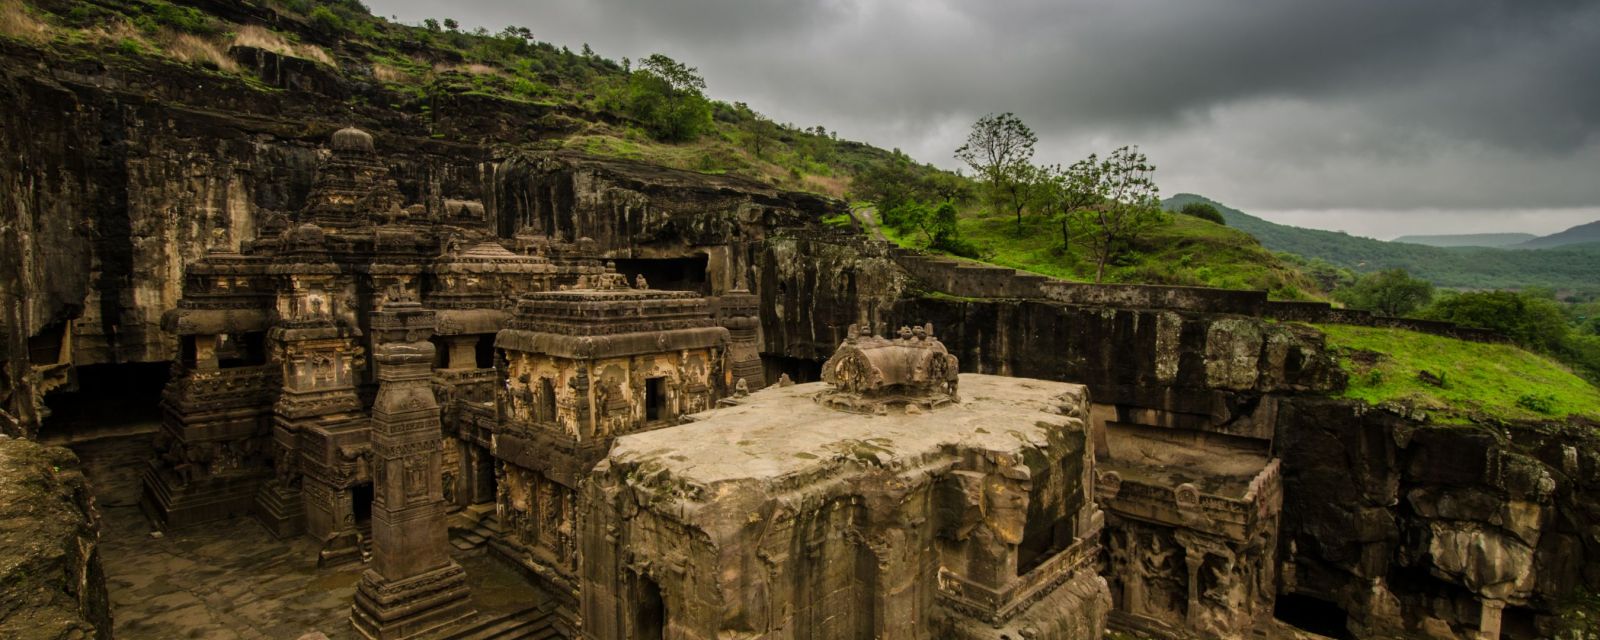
(1200, 371)
(51, 582)
(1410, 527)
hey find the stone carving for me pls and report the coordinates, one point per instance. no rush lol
(869, 374)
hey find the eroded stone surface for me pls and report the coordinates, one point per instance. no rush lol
(779, 517)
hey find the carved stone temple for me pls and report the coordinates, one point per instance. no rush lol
(789, 514)
(402, 384)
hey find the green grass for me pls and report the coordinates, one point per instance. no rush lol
(1481, 381)
(1184, 251)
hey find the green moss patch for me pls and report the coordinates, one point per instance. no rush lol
(1456, 380)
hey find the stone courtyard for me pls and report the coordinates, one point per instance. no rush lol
(233, 580)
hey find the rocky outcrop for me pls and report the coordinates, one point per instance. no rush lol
(1410, 526)
(51, 584)
(1196, 369)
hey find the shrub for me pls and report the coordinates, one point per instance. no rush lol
(1392, 293)
(325, 21)
(1537, 403)
(1203, 211)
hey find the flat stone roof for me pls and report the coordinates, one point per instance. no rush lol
(781, 432)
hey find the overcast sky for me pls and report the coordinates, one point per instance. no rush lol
(1377, 117)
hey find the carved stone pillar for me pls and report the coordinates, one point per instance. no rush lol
(1194, 558)
(412, 588)
(1489, 619)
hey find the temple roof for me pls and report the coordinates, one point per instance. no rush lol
(351, 139)
(780, 439)
(595, 323)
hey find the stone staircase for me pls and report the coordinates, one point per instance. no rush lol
(472, 528)
(532, 623)
(366, 541)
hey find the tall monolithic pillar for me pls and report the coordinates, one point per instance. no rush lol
(412, 587)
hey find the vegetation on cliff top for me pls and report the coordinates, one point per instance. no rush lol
(1457, 381)
(653, 111)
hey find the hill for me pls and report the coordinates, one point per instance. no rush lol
(1185, 251)
(1469, 239)
(1571, 267)
(405, 76)
(1583, 233)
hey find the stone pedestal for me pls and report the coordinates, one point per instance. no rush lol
(280, 510)
(413, 588)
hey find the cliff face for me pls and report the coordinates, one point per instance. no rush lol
(113, 189)
(1200, 370)
(1408, 526)
(51, 583)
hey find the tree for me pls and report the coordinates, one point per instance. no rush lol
(666, 96)
(1122, 203)
(451, 24)
(1529, 320)
(1061, 193)
(1000, 149)
(1392, 293)
(431, 24)
(1203, 211)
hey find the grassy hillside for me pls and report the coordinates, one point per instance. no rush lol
(1470, 380)
(1185, 251)
(1575, 267)
(1468, 239)
(410, 69)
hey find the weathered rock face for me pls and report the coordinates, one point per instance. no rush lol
(812, 289)
(51, 583)
(1196, 370)
(1409, 526)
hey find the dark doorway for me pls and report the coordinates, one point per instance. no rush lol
(241, 350)
(672, 274)
(655, 399)
(483, 476)
(484, 351)
(361, 503)
(800, 370)
(547, 401)
(1312, 614)
(650, 617)
(106, 398)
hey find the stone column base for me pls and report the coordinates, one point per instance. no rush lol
(416, 607)
(280, 510)
(172, 504)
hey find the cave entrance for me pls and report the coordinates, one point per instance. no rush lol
(650, 616)
(1312, 614)
(106, 399)
(671, 274)
(800, 370)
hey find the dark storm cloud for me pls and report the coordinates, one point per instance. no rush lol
(1304, 105)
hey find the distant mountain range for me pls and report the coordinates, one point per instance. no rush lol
(1469, 239)
(1577, 235)
(1566, 267)
(1580, 234)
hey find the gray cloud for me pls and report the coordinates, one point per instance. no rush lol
(1407, 109)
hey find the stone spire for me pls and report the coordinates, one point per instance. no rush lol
(413, 587)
